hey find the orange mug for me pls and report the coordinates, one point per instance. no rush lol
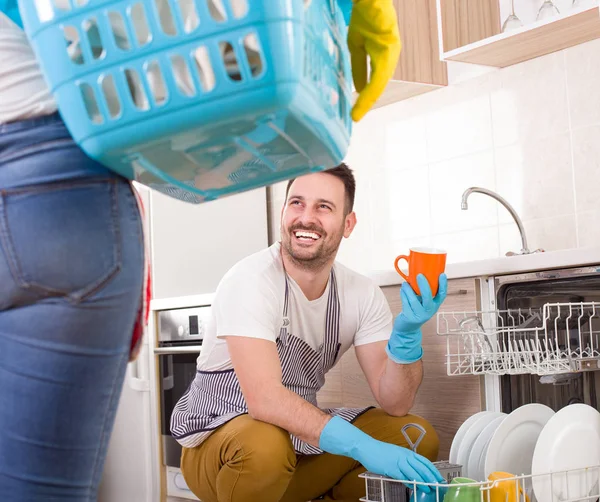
(504, 488)
(427, 261)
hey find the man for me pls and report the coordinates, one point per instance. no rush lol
(249, 422)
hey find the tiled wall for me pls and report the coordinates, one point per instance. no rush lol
(531, 132)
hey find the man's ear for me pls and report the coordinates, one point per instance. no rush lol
(349, 224)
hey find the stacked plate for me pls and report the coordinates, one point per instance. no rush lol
(570, 441)
(533, 440)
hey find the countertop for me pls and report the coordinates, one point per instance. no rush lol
(180, 302)
(507, 265)
(481, 268)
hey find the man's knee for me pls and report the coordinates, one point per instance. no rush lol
(263, 446)
(387, 428)
(245, 457)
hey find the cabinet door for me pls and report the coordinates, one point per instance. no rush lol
(194, 245)
(419, 68)
(127, 474)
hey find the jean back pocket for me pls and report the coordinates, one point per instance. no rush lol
(61, 239)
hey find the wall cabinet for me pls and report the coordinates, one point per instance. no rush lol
(419, 69)
(471, 31)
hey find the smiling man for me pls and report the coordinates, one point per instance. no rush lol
(250, 423)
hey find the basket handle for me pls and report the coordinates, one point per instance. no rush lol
(415, 445)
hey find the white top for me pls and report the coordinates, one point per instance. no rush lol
(250, 298)
(23, 91)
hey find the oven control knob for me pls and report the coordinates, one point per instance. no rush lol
(180, 331)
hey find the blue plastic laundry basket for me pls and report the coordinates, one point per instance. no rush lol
(198, 98)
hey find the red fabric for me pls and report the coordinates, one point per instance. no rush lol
(141, 320)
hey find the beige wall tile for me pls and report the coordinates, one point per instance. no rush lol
(448, 180)
(583, 78)
(588, 228)
(536, 178)
(549, 234)
(529, 101)
(460, 121)
(586, 163)
(470, 245)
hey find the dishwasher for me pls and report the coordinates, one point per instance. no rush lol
(536, 345)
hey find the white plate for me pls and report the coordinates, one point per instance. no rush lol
(460, 434)
(477, 455)
(471, 436)
(481, 465)
(511, 447)
(570, 440)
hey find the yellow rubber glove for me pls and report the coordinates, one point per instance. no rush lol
(373, 31)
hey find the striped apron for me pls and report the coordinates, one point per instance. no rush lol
(214, 397)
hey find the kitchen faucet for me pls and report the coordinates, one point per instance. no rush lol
(464, 206)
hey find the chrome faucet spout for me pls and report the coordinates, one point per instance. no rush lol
(464, 206)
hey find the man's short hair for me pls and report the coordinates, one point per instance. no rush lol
(345, 174)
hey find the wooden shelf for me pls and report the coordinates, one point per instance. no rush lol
(399, 90)
(420, 60)
(420, 68)
(531, 41)
(463, 22)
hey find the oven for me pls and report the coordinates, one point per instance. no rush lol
(180, 335)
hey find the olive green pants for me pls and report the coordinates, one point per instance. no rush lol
(250, 461)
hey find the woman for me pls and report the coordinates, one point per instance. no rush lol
(72, 271)
(71, 280)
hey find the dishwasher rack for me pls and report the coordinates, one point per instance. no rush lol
(553, 339)
(560, 486)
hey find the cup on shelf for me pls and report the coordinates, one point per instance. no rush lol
(504, 488)
(547, 10)
(512, 22)
(584, 4)
(437, 494)
(463, 490)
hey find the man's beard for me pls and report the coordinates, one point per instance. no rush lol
(315, 258)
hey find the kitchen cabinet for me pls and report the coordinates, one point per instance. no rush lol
(128, 469)
(445, 401)
(471, 31)
(419, 69)
(193, 246)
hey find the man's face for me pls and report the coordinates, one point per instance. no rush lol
(313, 220)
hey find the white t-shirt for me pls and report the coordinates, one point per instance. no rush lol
(23, 91)
(250, 299)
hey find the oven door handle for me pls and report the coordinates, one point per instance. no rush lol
(178, 350)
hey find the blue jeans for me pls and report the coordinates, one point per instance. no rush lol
(71, 274)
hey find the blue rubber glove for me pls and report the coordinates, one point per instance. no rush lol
(404, 346)
(11, 9)
(342, 438)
